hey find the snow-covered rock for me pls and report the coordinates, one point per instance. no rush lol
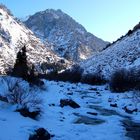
(13, 36)
(70, 39)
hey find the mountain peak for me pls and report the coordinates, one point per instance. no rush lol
(69, 38)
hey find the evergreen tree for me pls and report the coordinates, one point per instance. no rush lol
(21, 68)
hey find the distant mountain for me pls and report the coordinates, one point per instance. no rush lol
(13, 36)
(123, 53)
(70, 39)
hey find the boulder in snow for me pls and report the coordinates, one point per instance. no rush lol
(40, 134)
(69, 102)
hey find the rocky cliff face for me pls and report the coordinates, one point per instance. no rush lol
(70, 39)
(13, 36)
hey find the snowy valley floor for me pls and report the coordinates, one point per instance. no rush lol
(94, 120)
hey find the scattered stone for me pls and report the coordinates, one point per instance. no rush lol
(4, 99)
(92, 113)
(70, 93)
(76, 114)
(26, 113)
(51, 104)
(69, 102)
(109, 99)
(98, 93)
(130, 111)
(40, 134)
(113, 105)
(61, 120)
(61, 113)
(95, 89)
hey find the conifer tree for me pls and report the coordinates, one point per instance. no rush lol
(21, 68)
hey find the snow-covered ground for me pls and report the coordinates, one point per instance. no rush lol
(67, 123)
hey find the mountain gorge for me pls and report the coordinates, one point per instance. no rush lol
(69, 39)
(56, 80)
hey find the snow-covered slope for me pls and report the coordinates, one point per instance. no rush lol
(13, 35)
(124, 53)
(70, 39)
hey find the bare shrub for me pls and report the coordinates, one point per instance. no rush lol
(19, 92)
(124, 80)
(93, 79)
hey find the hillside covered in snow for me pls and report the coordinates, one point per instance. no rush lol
(70, 39)
(13, 36)
(124, 53)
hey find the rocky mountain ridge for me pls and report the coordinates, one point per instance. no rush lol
(70, 39)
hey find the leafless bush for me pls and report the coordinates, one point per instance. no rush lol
(93, 79)
(124, 80)
(19, 92)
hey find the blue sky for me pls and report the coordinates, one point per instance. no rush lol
(107, 19)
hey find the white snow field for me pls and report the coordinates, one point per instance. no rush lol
(94, 120)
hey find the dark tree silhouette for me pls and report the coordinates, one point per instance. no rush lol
(21, 68)
(125, 79)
